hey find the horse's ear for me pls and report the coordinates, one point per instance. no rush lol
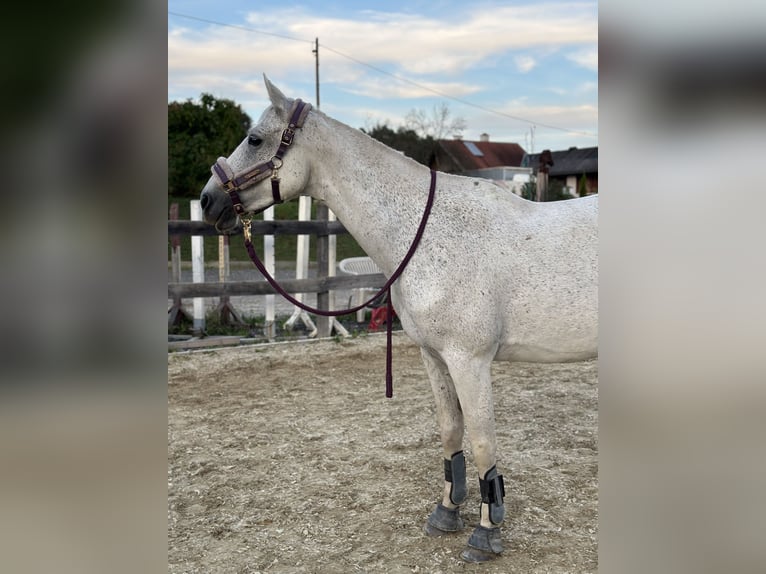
(278, 99)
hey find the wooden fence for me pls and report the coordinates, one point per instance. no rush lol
(321, 285)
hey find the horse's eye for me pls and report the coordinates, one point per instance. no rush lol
(254, 141)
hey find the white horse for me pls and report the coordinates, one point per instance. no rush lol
(495, 277)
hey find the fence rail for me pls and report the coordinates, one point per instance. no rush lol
(278, 227)
(320, 285)
(237, 288)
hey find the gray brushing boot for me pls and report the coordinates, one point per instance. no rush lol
(445, 520)
(486, 543)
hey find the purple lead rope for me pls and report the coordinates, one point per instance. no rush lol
(389, 339)
(385, 289)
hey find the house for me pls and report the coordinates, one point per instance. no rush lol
(568, 167)
(497, 161)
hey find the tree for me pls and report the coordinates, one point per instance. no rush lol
(529, 190)
(418, 136)
(197, 135)
(438, 125)
(404, 140)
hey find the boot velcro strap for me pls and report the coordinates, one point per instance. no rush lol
(492, 487)
(454, 473)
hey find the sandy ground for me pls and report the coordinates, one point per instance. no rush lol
(289, 458)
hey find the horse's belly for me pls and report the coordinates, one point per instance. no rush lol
(538, 354)
(555, 338)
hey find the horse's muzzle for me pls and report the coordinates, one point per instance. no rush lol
(217, 210)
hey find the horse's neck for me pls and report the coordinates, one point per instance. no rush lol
(378, 194)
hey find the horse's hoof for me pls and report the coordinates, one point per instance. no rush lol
(484, 544)
(443, 521)
(474, 555)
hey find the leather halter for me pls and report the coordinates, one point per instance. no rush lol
(233, 182)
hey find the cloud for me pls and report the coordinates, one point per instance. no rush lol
(445, 51)
(587, 88)
(525, 64)
(386, 88)
(501, 129)
(582, 117)
(587, 58)
(582, 89)
(450, 42)
(443, 43)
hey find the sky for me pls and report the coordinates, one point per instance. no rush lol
(521, 71)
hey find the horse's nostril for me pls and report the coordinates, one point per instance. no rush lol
(204, 200)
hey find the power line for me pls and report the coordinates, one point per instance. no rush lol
(385, 72)
(205, 20)
(459, 100)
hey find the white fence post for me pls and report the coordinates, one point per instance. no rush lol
(331, 263)
(302, 267)
(198, 267)
(270, 329)
(175, 244)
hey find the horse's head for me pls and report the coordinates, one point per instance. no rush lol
(256, 175)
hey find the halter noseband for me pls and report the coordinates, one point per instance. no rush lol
(234, 182)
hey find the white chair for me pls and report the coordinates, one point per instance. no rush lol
(360, 266)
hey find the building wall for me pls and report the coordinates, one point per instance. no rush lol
(572, 182)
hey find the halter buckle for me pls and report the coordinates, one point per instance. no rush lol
(287, 136)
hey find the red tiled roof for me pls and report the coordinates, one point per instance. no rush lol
(493, 154)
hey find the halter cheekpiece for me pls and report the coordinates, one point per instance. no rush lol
(234, 182)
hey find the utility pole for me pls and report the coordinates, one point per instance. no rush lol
(324, 324)
(325, 247)
(315, 51)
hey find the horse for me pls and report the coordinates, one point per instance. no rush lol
(494, 277)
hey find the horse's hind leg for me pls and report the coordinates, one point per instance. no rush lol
(473, 385)
(446, 516)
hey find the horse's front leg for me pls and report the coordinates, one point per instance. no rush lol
(472, 382)
(445, 518)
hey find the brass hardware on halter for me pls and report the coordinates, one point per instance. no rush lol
(277, 163)
(287, 136)
(246, 221)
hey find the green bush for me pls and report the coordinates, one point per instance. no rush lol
(582, 186)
